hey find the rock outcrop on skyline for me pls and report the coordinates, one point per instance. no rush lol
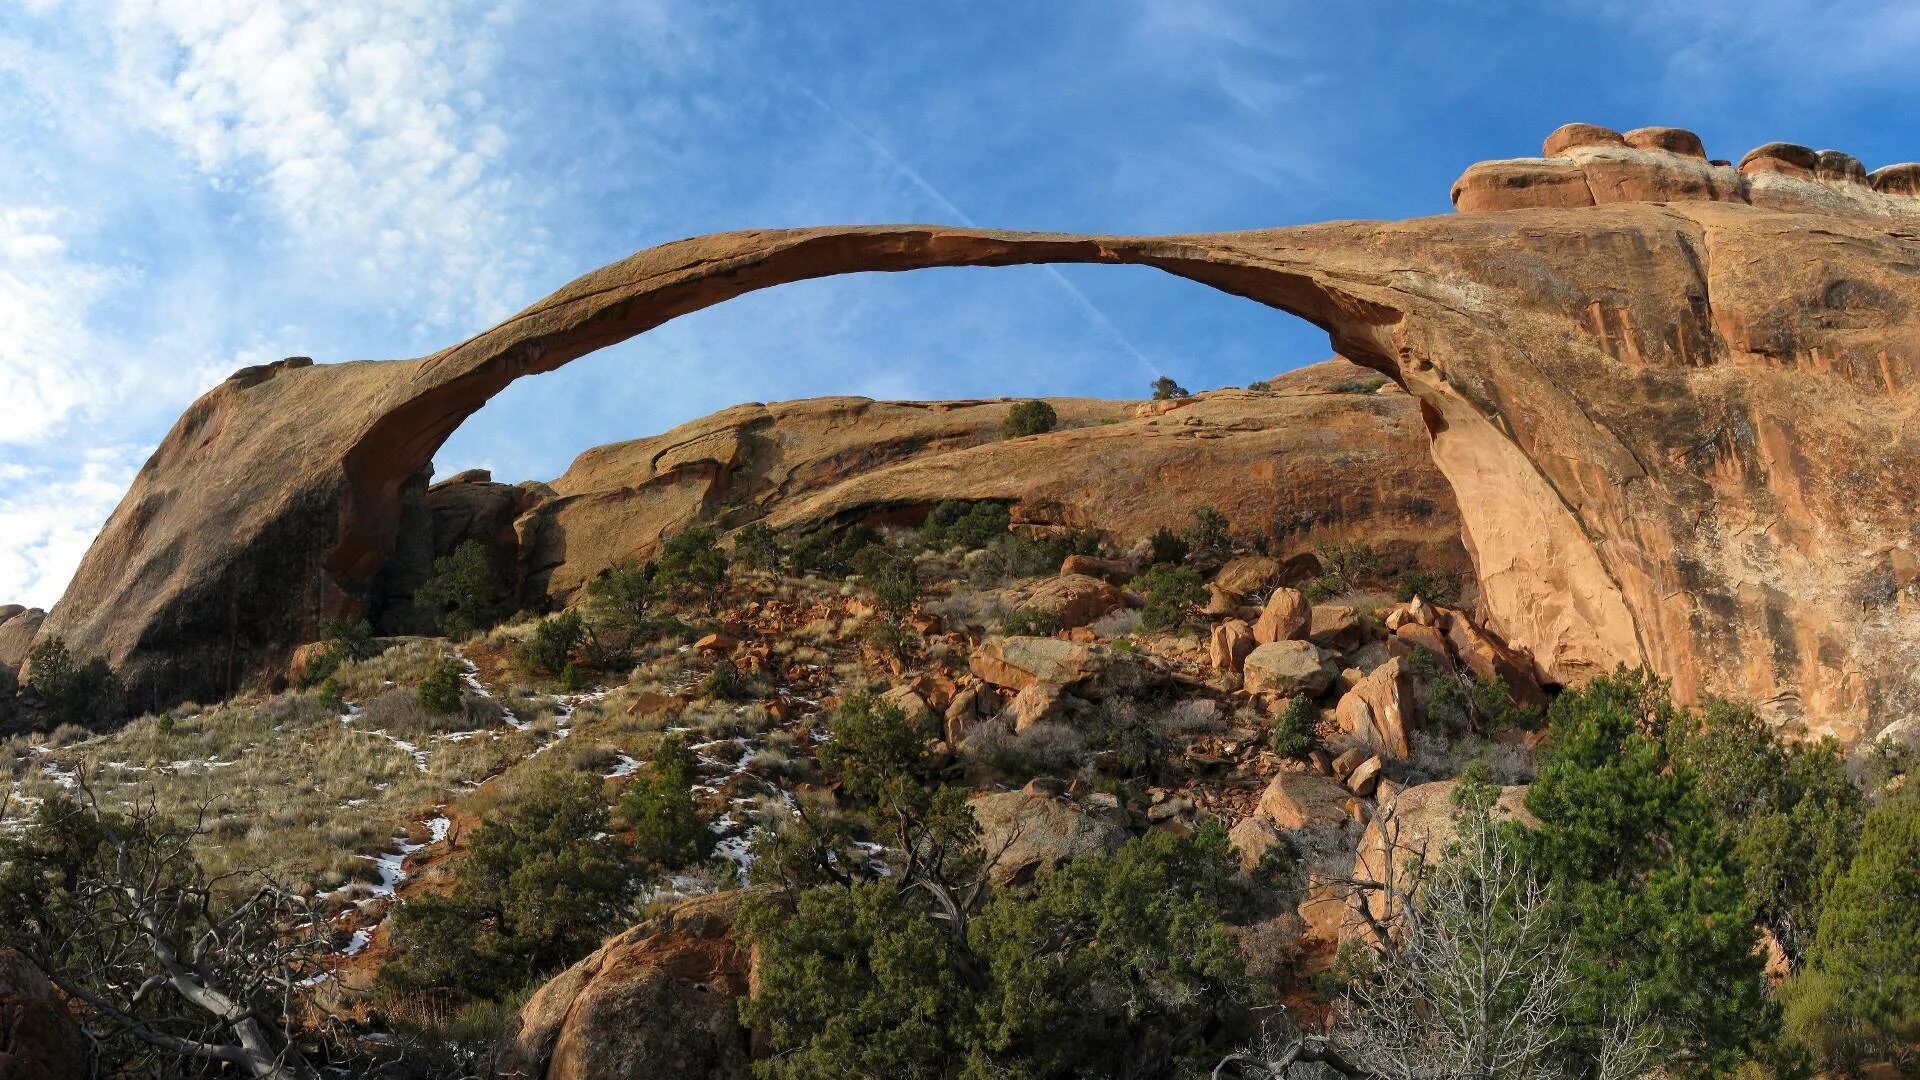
(1673, 400)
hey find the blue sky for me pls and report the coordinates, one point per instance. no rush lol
(189, 186)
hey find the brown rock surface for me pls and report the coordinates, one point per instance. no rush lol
(1383, 710)
(662, 993)
(1076, 598)
(1286, 668)
(1286, 616)
(39, 1039)
(1024, 832)
(1299, 800)
(18, 627)
(1419, 823)
(1229, 645)
(1673, 402)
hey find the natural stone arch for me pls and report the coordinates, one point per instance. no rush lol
(1624, 396)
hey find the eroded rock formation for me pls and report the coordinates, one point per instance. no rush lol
(1673, 399)
(1300, 464)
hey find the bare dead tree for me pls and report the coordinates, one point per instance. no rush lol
(188, 972)
(1471, 973)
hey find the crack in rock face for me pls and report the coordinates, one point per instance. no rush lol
(1672, 397)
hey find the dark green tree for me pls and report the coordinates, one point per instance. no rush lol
(1170, 591)
(439, 692)
(1869, 939)
(542, 883)
(874, 741)
(690, 563)
(756, 547)
(1660, 914)
(553, 643)
(1790, 809)
(1165, 389)
(658, 806)
(76, 692)
(965, 524)
(465, 594)
(1116, 966)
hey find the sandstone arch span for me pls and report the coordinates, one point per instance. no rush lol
(1677, 430)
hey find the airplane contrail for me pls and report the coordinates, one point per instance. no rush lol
(914, 176)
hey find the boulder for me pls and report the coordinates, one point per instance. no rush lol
(1252, 838)
(966, 708)
(18, 626)
(662, 993)
(1077, 599)
(1301, 800)
(1383, 710)
(1365, 776)
(1249, 575)
(1336, 626)
(1018, 662)
(1024, 832)
(1489, 658)
(1413, 635)
(1034, 703)
(1287, 668)
(907, 700)
(1229, 645)
(39, 1039)
(1284, 618)
(1111, 571)
(1348, 760)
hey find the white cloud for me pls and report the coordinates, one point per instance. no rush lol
(46, 298)
(49, 515)
(359, 126)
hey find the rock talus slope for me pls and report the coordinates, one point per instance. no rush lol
(1674, 400)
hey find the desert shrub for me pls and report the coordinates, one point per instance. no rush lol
(1364, 385)
(756, 547)
(1436, 586)
(969, 525)
(1010, 556)
(75, 692)
(1344, 567)
(439, 692)
(658, 806)
(829, 553)
(1209, 539)
(464, 594)
(1465, 702)
(690, 562)
(541, 884)
(1261, 386)
(726, 682)
(1165, 389)
(874, 741)
(1125, 736)
(552, 645)
(1167, 546)
(1170, 590)
(891, 576)
(1295, 730)
(1048, 748)
(1029, 418)
(1031, 622)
